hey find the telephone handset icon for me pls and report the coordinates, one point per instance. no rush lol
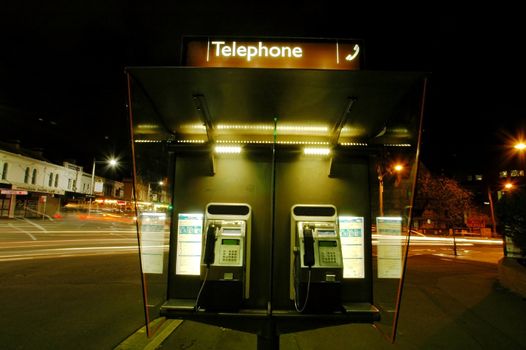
(352, 56)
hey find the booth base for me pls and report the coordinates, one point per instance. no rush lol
(269, 326)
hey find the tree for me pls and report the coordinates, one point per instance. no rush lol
(442, 196)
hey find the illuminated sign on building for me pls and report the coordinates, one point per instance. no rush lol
(308, 54)
(15, 192)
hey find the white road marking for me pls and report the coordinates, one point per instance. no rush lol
(19, 229)
(52, 253)
(36, 225)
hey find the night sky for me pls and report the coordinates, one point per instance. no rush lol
(63, 88)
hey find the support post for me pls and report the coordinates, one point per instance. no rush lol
(268, 339)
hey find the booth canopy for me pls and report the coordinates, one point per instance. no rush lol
(239, 105)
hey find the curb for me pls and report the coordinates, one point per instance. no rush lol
(140, 341)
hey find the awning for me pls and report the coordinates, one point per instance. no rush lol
(223, 105)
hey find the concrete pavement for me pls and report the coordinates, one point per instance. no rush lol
(448, 303)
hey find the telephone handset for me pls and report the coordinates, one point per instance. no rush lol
(308, 243)
(210, 244)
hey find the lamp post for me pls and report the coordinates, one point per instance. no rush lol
(158, 192)
(111, 162)
(508, 186)
(396, 168)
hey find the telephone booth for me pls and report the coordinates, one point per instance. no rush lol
(287, 191)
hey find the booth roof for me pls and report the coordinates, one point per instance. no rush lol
(241, 103)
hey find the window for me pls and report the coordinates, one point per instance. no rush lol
(503, 174)
(69, 184)
(514, 173)
(26, 176)
(4, 172)
(478, 177)
(34, 177)
(470, 178)
(74, 185)
(50, 182)
(56, 180)
(521, 172)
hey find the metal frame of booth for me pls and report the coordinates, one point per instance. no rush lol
(272, 174)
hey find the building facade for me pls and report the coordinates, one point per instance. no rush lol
(30, 186)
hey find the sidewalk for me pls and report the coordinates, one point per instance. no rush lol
(448, 303)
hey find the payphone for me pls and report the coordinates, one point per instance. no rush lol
(316, 258)
(225, 257)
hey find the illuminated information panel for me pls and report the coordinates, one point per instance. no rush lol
(265, 53)
(351, 238)
(189, 233)
(152, 241)
(389, 255)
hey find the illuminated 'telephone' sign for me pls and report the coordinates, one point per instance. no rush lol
(322, 54)
(222, 49)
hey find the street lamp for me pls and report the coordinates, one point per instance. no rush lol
(508, 186)
(396, 168)
(111, 162)
(158, 191)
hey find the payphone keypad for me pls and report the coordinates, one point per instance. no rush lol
(230, 256)
(328, 252)
(328, 257)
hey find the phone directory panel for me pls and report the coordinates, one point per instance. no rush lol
(390, 241)
(352, 241)
(152, 226)
(189, 235)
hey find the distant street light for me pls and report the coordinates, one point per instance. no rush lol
(157, 195)
(396, 168)
(517, 147)
(111, 162)
(507, 186)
